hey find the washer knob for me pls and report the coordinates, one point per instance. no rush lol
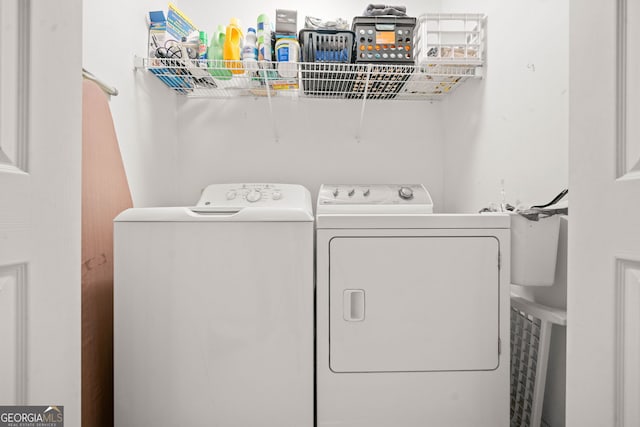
(231, 194)
(253, 196)
(335, 193)
(366, 192)
(405, 193)
(352, 192)
(276, 195)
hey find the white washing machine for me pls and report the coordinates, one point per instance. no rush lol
(214, 310)
(412, 311)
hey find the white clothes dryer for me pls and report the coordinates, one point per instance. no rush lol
(412, 311)
(213, 304)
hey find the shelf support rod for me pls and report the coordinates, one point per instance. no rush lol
(273, 122)
(364, 103)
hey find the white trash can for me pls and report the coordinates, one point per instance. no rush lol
(534, 250)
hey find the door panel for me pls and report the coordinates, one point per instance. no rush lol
(14, 214)
(12, 330)
(13, 20)
(628, 344)
(603, 354)
(629, 89)
(40, 131)
(413, 304)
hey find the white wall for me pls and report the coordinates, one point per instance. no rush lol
(144, 112)
(513, 124)
(233, 140)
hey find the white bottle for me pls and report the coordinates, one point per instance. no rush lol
(250, 51)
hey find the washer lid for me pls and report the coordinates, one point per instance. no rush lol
(235, 202)
(374, 199)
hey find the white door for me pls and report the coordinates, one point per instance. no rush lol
(40, 142)
(603, 348)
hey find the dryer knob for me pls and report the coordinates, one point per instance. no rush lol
(405, 193)
(231, 194)
(276, 195)
(352, 192)
(253, 196)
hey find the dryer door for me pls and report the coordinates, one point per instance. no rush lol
(414, 304)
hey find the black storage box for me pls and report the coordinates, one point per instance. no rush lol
(384, 39)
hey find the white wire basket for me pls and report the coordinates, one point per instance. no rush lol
(531, 326)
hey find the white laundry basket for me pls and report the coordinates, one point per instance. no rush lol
(531, 325)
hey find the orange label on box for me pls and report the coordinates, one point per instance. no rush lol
(385, 37)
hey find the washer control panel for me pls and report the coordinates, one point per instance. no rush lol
(360, 198)
(252, 194)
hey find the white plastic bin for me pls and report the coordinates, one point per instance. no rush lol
(534, 250)
(450, 37)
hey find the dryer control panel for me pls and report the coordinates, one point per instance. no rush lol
(374, 198)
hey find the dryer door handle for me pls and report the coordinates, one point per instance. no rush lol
(353, 305)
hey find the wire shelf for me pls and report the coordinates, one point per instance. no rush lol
(227, 79)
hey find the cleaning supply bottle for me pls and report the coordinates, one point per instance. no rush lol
(217, 68)
(233, 46)
(250, 51)
(264, 38)
(287, 54)
(202, 45)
